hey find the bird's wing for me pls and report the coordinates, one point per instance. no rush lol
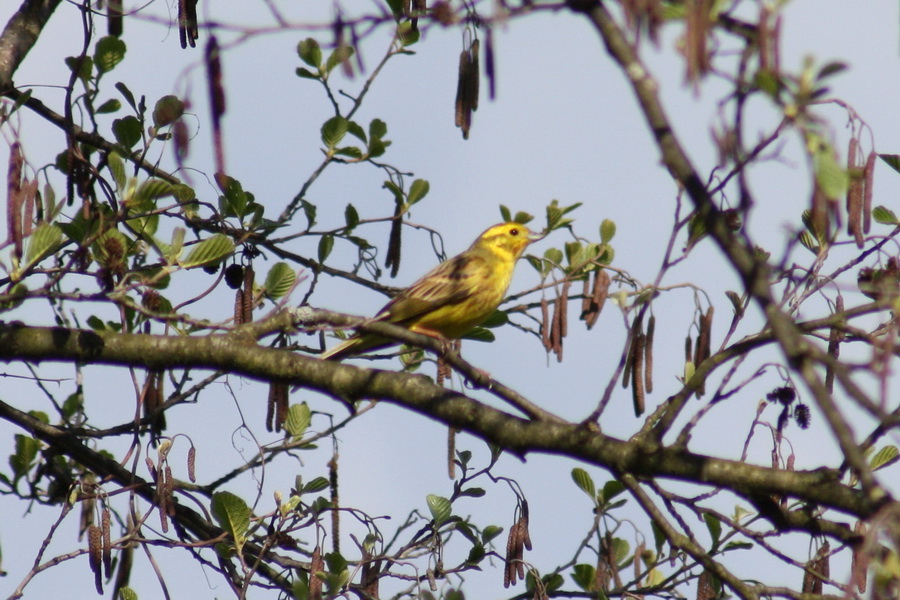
(446, 284)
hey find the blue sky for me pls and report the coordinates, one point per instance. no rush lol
(564, 126)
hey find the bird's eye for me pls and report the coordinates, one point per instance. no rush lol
(513, 231)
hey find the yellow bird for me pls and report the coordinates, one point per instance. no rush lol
(454, 297)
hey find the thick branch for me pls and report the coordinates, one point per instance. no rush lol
(20, 35)
(238, 354)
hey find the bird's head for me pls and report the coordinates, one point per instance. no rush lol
(507, 238)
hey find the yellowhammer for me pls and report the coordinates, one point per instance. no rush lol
(457, 295)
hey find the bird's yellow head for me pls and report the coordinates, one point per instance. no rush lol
(508, 240)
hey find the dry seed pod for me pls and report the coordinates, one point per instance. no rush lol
(107, 542)
(564, 310)
(473, 74)
(14, 198)
(281, 404)
(868, 181)
(526, 539)
(854, 195)
(703, 348)
(29, 193)
(451, 452)
(705, 588)
(489, 67)
(514, 555)
(170, 492)
(545, 324)
(467, 88)
(151, 468)
(637, 373)
(335, 503)
(316, 564)
(816, 569)
(192, 464)
(555, 331)
(239, 307)
(636, 328)
(114, 20)
(95, 554)
(859, 563)
(162, 500)
(247, 308)
(187, 23)
(648, 355)
(598, 299)
(123, 573)
(153, 402)
(834, 346)
(585, 296)
(392, 261)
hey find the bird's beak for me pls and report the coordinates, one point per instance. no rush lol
(535, 236)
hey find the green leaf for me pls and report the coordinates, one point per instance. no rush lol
(306, 73)
(126, 593)
(117, 168)
(505, 214)
(310, 53)
(584, 575)
(884, 215)
(377, 129)
(210, 251)
(44, 240)
(584, 482)
(354, 129)
(476, 554)
(309, 210)
(325, 246)
(607, 231)
(480, 334)
(884, 458)
(407, 34)
(126, 93)
(891, 160)
(335, 562)
(333, 131)
(168, 109)
(611, 489)
(110, 106)
(152, 189)
(714, 526)
(83, 66)
(490, 532)
(233, 515)
(554, 255)
(351, 151)
(109, 52)
(417, 191)
(351, 216)
(523, 217)
(377, 147)
(316, 485)
(830, 69)
(298, 418)
(279, 280)
(127, 131)
(440, 508)
(337, 56)
(26, 451)
(832, 179)
(497, 318)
